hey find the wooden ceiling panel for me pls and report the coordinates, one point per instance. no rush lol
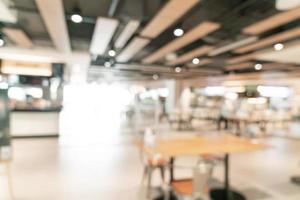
(273, 22)
(198, 32)
(202, 62)
(191, 54)
(168, 15)
(240, 66)
(18, 36)
(280, 37)
(240, 59)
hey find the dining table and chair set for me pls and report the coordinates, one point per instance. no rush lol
(210, 149)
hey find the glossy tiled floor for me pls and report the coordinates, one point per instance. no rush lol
(43, 170)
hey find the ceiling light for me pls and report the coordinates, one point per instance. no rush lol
(258, 66)
(1, 42)
(111, 53)
(195, 61)
(155, 76)
(107, 64)
(178, 32)
(278, 46)
(76, 18)
(178, 69)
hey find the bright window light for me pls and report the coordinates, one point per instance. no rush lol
(258, 100)
(231, 95)
(17, 93)
(163, 92)
(236, 89)
(274, 91)
(3, 85)
(135, 89)
(214, 91)
(34, 92)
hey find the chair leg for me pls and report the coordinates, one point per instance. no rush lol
(162, 173)
(150, 170)
(145, 172)
(9, 180)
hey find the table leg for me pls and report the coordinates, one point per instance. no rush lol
(170, 195)
(171, 169)
(226, 193)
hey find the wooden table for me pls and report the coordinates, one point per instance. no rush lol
(187, 145)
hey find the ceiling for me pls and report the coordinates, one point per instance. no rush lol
(231, 17)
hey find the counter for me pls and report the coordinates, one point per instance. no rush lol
(34, 122)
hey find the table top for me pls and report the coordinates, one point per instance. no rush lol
(185, 145)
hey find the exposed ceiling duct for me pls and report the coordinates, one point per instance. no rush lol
(128, 31)
(132, 48)
(6, 15)
(103, 32)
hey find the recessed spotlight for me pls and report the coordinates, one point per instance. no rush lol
(178, 32)
(76, 18)
(178, 69)
(107, 64)
(1, 42)
(278, 46)
(111, 53)
(195, 61)
(155, 76)
(258, 66)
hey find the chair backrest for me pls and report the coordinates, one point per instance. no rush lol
(149, 140)
(201, 175)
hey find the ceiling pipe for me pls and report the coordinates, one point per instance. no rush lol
(113, 8)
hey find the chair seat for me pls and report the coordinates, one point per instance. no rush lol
(185, 187)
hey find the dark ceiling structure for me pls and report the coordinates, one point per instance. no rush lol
(232, 17)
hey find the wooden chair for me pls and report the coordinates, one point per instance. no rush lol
(7, 173)
(152, 163)
(197, 186)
